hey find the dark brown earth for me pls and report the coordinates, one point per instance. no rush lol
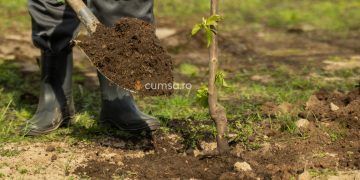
(348, 104)
(131, 56)
(167, 160)
(347, 118)
(281, 156)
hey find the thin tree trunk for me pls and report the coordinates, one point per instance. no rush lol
(217, 112)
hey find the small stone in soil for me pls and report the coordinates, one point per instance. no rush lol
(302, 123)
(334, 107)
(242, 166)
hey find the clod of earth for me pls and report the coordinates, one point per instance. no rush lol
(131, 56)
(50, 148)
(53, 157)
(338, 106)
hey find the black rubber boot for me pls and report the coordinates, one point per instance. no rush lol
(120, 110)
(56, 105)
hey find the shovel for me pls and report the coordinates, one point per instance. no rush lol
(89, 20)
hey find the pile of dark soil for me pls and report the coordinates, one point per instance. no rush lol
(279, 155)
(341, 113)
(335, 106)
(131, 56)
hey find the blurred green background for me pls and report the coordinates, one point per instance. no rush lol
(329, 15)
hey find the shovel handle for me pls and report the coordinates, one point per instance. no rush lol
(84, 14)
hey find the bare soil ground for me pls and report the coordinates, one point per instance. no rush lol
(326, 146)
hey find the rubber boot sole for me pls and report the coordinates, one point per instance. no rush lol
(64, 123)
(149, 127)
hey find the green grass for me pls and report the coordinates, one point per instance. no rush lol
(175, 107)
(14, 110)
(288, 123)
(322, 172)
(8, 152)
(10, 109)
(324, 14)
(334, 134)
(14, 16)
(189, 70)
(180, 9)
(23, 171)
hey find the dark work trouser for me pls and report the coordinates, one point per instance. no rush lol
(54, 24)
(53, 27)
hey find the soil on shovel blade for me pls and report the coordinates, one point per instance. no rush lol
(131, 56)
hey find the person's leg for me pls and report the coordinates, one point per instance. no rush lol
(118, 106)
(110, 11)
(53, 26)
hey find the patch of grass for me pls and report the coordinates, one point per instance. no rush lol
(14, 111)
(254, 146)
(288, 123)
(4, 165)
(85, 120)
(180, 10)
(14, 16)
(189, 69)
(335, 15)
(198, 133)
(23, 171)
(5, 130)
(346, 73)
(335, 135)
(287, 86)
(285, 13)
(71, 178)
(322, 172)
(67, 164)
(276, 93)
(9, 152)
(320, 155)
(9, 75)
(175, 107)
(243, 131)
(2, 175)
